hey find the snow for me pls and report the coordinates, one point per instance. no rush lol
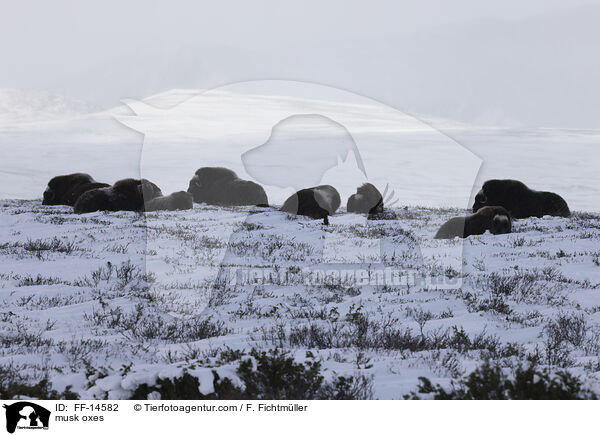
(78, 315)
(121, 299)
(249, 127)
(30, 106)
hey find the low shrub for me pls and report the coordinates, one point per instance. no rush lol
(491, 383)
(272, 375)
(38, 391)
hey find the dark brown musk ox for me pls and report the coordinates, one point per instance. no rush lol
(367, 199)
(519, 200)
(496, 219)
(126, 194)
(316, 202)
(65, 190)
(222, 187)
(179, 200)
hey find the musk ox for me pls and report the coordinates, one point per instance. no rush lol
(519, 200)
(496, 219)
(222, 187)
(316, 202)
(180, 200)
(65, 190)
(367, 199)
(126, 194)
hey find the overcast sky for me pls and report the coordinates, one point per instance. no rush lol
(511, 62)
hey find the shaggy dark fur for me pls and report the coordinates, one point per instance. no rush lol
(496, 219)
(65, 190)
(126, 194)
(222, 187)
(519, 200)
(180, 200)
(367, 199)
(317, 202)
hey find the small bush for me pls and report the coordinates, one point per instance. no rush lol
(142, 324)
(519, 286)
(53, 244)
(40, 391)
(272, 375)
(491, 383)
(570, 328)
(360, 332)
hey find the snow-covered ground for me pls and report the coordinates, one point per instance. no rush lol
(105, 301)
(84, 297)
(30, 106)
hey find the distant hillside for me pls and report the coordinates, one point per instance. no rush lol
(30, 105)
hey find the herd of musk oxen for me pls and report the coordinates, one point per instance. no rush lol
(496, 204)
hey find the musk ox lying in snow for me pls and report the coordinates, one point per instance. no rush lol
(222, 187)
(65, 190)
(496, 219)
(126, 194)
(519, 200)
(179, 200)
(367, 199)
(316, 202)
